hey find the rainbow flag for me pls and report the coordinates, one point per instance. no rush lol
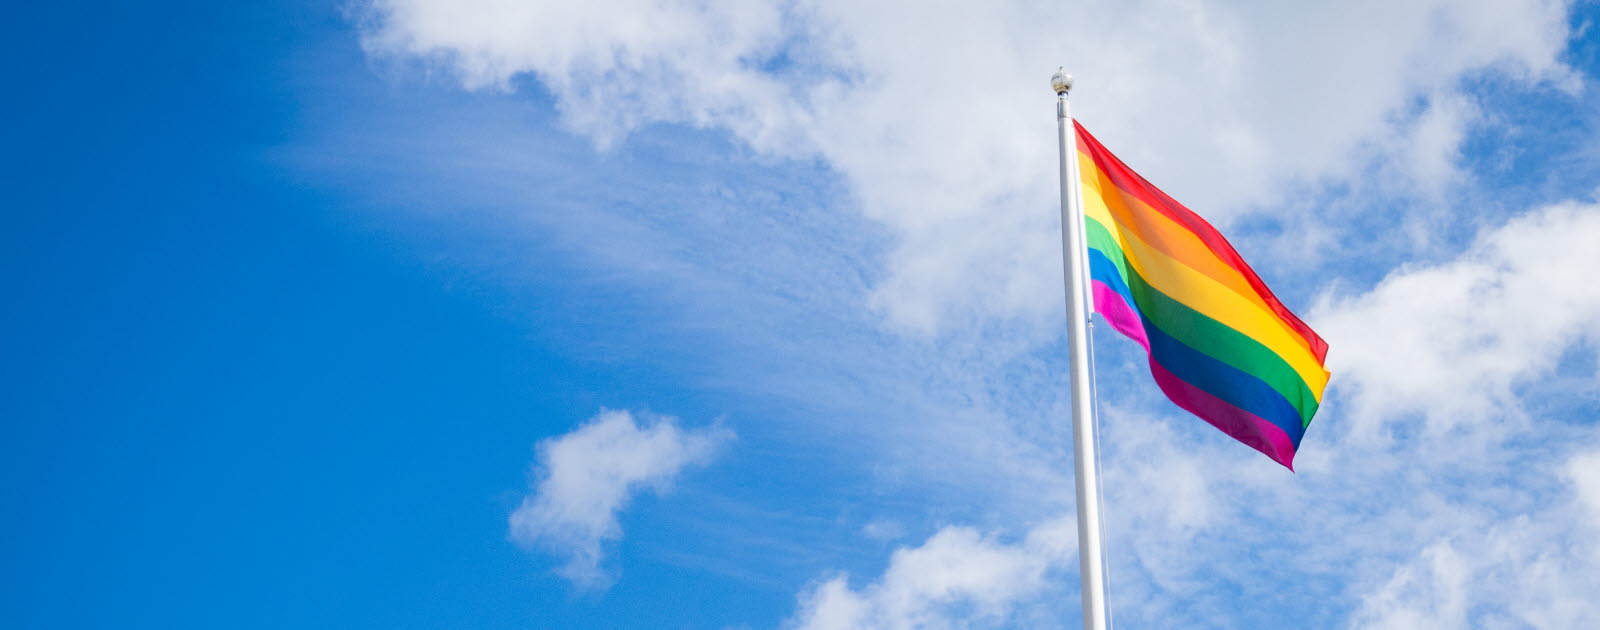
(1221, 345)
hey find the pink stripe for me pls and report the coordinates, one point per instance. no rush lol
(1240, 424)
(1110, 305)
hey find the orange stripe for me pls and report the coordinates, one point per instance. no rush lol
(1164, 234)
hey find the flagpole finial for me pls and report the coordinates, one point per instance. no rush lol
(1062, 82)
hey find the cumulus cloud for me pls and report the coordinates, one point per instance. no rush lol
(938, 115)
(585, 478)
(958, 578)
(1452, 341)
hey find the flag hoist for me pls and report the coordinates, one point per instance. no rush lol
(1220, 344)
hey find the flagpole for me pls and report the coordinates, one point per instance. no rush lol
(1091, 567)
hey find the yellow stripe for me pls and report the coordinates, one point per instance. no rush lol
(1204, 294)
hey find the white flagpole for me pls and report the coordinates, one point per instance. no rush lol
(1091, 568)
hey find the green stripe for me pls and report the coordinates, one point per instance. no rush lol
(1199, 331)
(1102, 240)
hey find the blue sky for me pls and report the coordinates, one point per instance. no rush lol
(726, 315)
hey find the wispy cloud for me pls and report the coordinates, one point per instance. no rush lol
(585, 478)
(1536, 570)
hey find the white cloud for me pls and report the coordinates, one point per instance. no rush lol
(883, 529)
(1540, 570)
(1584, 473)
(615, 65)
(958, 578)
(1431, 149)
(1452, 341)
(585, 478)
(938, 115)
(1430, 593)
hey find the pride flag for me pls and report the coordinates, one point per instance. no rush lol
(1221, 345)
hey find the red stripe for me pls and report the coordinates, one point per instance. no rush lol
(1133, 184)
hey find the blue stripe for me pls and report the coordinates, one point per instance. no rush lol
(1236, 387)
(1101, 268)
